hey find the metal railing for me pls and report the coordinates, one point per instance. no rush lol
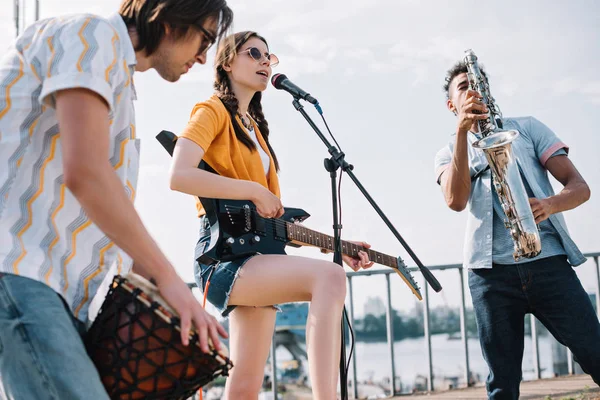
(19, 14)
(427, 331)
(463, 325)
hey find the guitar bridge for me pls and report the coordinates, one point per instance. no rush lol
(247, 218)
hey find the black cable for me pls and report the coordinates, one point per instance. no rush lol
(349, 323)
(351, 341)
(330, 134)
(343, 361)
(344, 371)
(340, 198)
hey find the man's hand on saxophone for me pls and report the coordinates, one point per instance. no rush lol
(470, 109)
(541, 208)
(574, 193)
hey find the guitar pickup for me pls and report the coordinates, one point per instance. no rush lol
(280, 232)
(259, 225)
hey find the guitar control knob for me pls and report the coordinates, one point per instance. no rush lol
(255, 239)
(230, 241)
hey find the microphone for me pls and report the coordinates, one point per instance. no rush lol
(280, 81)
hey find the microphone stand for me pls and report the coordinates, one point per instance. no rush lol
(332, 164)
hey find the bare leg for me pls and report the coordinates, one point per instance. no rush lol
(272, 279)
(251, 331)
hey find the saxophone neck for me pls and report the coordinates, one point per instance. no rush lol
(479, 83)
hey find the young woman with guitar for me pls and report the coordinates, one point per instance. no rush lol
(229, 133)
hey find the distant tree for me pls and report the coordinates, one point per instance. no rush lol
(441, 320)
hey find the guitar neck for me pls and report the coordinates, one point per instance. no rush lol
(307, 237)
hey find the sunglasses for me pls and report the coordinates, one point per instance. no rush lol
(258, 56)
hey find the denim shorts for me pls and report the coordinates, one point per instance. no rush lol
(223, 277)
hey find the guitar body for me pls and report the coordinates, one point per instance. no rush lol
(238, 231)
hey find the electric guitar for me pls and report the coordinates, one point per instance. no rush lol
(237, 230)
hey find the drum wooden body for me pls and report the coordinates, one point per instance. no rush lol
(135, 343)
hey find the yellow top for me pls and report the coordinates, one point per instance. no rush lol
(210, 127)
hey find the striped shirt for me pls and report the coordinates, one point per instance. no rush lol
(44, 233)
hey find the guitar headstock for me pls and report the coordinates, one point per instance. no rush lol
(407, 277)
(294, 215)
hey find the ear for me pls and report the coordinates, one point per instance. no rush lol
(167, 29)
(226, 67)
(450, 106)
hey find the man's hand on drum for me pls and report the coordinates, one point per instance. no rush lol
(175, 291)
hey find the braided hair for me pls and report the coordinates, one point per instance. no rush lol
(227, 51)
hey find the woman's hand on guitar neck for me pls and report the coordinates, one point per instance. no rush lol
(267, 204)
(356, 263)
(362, 261)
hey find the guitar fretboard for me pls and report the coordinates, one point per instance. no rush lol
(307, 236)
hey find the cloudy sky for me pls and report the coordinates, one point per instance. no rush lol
(377, 68)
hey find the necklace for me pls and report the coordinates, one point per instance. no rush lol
(247, 125)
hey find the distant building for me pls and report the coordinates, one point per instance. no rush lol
(374, 306)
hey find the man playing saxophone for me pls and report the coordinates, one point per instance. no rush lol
(503, 289)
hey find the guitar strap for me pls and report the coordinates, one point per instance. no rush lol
(479, 173)
(167, 140)
(203, 258)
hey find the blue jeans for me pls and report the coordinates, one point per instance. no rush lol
(550, 290)
(42, 355)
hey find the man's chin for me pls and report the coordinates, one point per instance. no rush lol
(170, 77)
(173, 78)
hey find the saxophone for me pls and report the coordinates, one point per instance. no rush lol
(496, 144)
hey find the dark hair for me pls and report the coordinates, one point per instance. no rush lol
(457, 69)
(149, 18)
(228, 49)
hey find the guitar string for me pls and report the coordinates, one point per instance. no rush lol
(284, 224)
(276, 222)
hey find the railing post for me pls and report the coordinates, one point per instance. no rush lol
(535, 347)
(274, 365)
(389, 321)
(427, 334)
(37, 10)
(463, 326)
(16, 11)
(570, 366)
(354, 379)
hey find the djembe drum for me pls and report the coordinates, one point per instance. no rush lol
(135, 343)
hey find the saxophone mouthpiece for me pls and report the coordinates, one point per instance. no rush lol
(470, 55)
